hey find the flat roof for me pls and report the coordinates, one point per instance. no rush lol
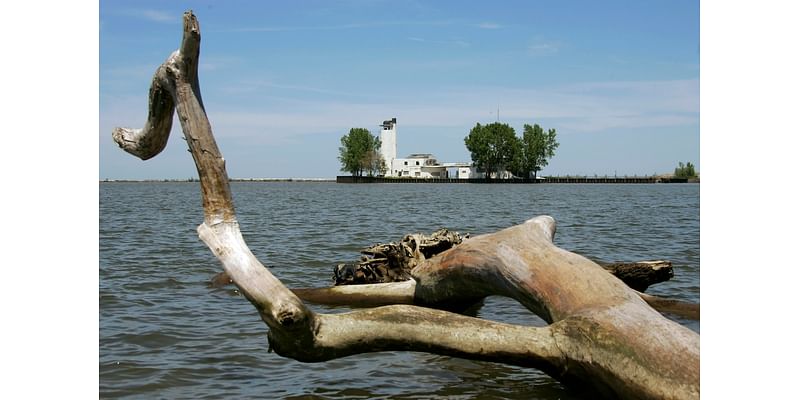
(456, 164)
(420, 155)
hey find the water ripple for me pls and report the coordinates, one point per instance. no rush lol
(165, 334)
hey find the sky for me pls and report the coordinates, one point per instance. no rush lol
(282, 82)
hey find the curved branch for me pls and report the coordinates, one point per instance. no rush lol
(149, 141)
(177, 76)
(403, 327)
(369, 295)
(521, 262)
(382, 294)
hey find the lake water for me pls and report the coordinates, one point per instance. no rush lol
(165, 334)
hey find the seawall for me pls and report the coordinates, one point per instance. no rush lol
(641, 179)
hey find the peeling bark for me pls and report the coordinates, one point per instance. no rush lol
(601, 332)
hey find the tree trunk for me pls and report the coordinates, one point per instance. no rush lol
(601, 332)
(386, 291)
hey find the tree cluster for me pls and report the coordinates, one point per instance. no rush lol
(685, 171)
(360, 153)
(496, 147)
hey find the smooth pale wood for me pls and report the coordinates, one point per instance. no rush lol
(369, 295)
(602, 333)
(603, 327)
(381, 294)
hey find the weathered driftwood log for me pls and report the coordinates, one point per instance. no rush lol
(379, 294)
(393, 262)
(601, 332)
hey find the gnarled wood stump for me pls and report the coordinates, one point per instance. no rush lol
(393, 262)
(601, 332)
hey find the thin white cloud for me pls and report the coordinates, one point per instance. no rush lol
(259, 85)
(159, 16)
(572, 109)
(542, 47)
(456, 42)
(672, 95)
(489, 25)
(590, 107)
(595, 107)
(152, 15)
(138, 71)
(217, 63)
(355, 25)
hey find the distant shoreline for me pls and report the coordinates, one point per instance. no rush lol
(349, 179)
(541, 180)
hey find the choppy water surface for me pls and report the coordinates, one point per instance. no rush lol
(165, 334)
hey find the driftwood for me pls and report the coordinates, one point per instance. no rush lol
(393, 262)
(601, 334)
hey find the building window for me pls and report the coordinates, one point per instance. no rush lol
(405, 162)
(417, 162)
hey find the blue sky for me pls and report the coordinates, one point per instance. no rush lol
(283, 81)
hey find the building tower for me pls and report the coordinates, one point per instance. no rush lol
(389, 143)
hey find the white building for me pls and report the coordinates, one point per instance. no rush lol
(389, 142)
(472, 172)
(467, 172)
(422, 165)
(418, 166)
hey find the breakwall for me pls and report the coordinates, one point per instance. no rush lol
(641, 179)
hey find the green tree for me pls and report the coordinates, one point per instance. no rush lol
(492, 147)
(537, 148)
(360, 152)
(685, 171)
(373, 161)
